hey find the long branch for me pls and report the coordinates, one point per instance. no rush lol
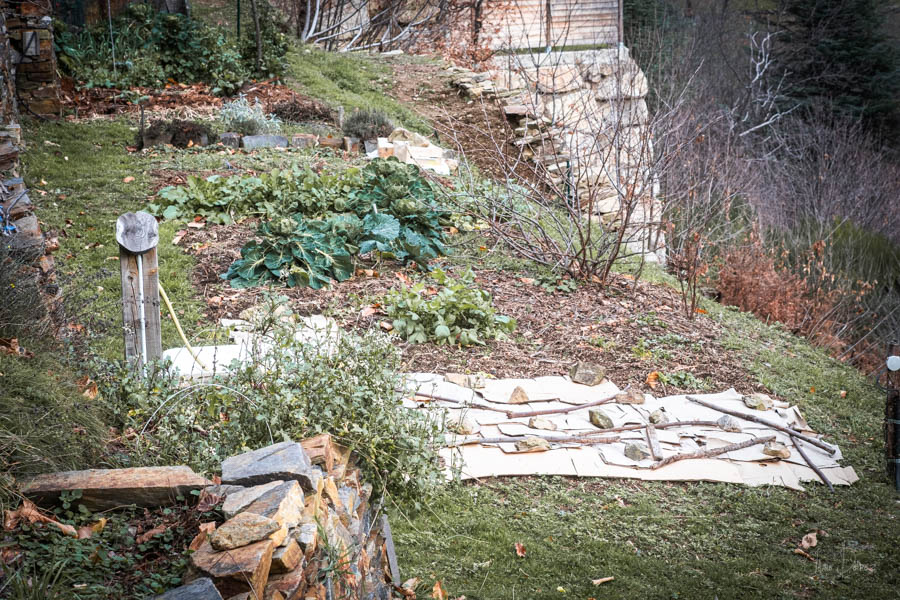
(748, 417)
(812, 465)
(710, 452)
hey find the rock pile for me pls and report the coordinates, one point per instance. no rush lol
(299, 522)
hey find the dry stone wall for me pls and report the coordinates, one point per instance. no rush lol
(582, 118)
(31, 47)
(300, 522)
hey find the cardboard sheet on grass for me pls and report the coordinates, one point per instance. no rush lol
(750, 466)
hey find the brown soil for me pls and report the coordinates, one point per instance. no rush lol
(477, 127)
(631, 329)
(181, 98)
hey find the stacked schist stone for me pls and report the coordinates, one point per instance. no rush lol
(299, 526)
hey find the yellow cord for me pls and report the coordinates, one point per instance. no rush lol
(184, 339)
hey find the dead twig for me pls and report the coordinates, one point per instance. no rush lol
(812, 465)
(709, 453)
(454, 401)
(562, 411)
(653, 443)
(748, 417)
(560, 439)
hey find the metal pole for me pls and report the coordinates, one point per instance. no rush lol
(238, 20)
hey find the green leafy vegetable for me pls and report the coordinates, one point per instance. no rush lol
(458, 313)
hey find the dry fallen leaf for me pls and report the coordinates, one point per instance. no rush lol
(386, 326)
(178, 237)
(367, 311)
(809, 541)
(403, 277)
(653, 379)
(408, 589)
(602, 580)
(804, 554)
(148, 535)
(520, 550)
(128, 179)
(438, 592)
(29, 512)
(87, 387)
(205, 530)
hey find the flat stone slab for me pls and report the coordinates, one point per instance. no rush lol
(243, 529)
(103, 489)
(284, 461)
(244, 569)
(241, 497)
(253, 142)
(201, 589)
(284, 504)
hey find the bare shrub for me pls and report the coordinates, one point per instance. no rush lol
(750, 280)
(300, 109)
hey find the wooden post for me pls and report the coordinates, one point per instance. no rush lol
(138, 235)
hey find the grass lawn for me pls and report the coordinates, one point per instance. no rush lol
(680, 540)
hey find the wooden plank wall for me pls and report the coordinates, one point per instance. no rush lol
(517, 24)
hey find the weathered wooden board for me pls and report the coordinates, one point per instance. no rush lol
(131, 314)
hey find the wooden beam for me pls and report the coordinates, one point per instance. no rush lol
(138, 235)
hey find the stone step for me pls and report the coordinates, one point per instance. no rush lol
(103, 489)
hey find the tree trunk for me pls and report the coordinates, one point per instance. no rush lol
(258, 33)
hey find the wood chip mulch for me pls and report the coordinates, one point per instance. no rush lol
(632, 329)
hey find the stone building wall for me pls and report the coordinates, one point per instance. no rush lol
(31, 48)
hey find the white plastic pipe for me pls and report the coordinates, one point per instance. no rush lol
(140, 265)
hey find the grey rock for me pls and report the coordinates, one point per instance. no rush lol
(222, 490)
(587, 373)
(462, 424)
(349, 498)
(283, 503)
(658, 417)
(776, 449)
(729, 423)
(284, 461)
(632, 396)
(200, 589)
(241, 530)
(286, 558)
(304, 140)
(637, 452)
(307, 535)
(230, 139)
(758, 401)
(600, 419)
(532, 444)
(253, 142)
(539, 423)
(241, 497)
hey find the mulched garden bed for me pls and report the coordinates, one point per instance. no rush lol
(631, 328)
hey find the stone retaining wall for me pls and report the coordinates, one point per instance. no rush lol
(582, 118)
